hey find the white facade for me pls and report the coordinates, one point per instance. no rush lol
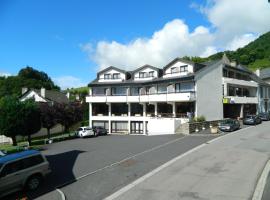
(178, 69)
(111, 75)
(160, 103)
(146, 73)
(33, 95)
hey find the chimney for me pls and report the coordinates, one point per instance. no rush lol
(258, 72)
(24, 90)
(42, 92)
(233, 63)
(68, 95)
(225, 59)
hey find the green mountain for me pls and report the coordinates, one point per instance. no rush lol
(255, 55)
(27, 77)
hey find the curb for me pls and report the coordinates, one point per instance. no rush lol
(258, 193)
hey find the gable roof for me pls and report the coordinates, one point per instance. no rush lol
(50, 95)
(143, 67)
(109, 68)
(265, 73)
(176, 60)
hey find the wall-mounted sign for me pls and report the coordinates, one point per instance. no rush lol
(226, 100)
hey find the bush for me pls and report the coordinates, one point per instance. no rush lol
(85, 123)
(199, 119)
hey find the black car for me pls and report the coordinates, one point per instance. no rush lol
(264, 116)
(100, 130)
(252, 120)
(229, 125)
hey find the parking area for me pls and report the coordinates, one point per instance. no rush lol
(97, 167)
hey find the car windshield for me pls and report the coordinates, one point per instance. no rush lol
(249, 116)
(228, 121)
(79, 129)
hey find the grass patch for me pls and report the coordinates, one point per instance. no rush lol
(37, 144)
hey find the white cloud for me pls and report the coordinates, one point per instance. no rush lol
(69, 82)
(233, 18)
(173, 40)
(241, 41)
(4, 74)
(234, 23)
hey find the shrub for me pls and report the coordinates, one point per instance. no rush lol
(199, 119)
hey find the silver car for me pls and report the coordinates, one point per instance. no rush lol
(23, 170)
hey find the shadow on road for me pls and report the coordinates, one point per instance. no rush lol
(62, 173)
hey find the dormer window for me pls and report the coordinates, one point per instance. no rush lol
(107, 76)
(142, 75)
(174, 70)
(116, 76)
(151, 74)
(184, 68)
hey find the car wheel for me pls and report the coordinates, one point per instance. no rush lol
(33, 182)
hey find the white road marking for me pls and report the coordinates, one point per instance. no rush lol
(63, 197)
(119, 162)
(158, 169)
(258, 193)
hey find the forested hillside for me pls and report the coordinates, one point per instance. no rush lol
(254, 55)
(27, 77)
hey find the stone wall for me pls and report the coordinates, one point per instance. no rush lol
(194, 127)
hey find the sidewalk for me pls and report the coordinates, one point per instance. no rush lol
(225, 169)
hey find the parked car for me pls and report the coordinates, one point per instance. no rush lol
(23, 170)
(2, 153)
(229, 125)
(100, 130)
(252, 120)
(264, 116)
(85, 131)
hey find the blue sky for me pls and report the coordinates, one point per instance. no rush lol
(71, 40)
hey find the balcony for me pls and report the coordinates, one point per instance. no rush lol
(167, 97)
(233, 81)
(240, 100)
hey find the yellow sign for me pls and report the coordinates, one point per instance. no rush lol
(226, 100)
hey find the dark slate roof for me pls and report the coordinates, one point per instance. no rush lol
(54, 96)
(265, 73)
(146, 82)
(176, 60)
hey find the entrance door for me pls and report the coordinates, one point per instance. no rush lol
(136, 127)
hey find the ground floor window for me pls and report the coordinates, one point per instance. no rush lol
(103, 124)
(119, 126)
(136, 127)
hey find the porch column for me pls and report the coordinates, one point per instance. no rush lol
(90, 114)
(144, 127)
(110, 109)
(144, 109)
(129, 109)
(155, 104)
(174, 109)
(110, 127)
(242, 111)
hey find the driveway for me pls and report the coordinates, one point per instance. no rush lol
(93, 168)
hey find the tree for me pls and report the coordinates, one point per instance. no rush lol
(69, 114)
(11, 117)
(48, 117)
(32, 119)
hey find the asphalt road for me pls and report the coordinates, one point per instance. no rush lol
(227, 168)
(93, 168)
